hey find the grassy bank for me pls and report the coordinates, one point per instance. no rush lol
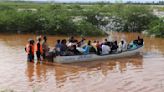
(73, 19)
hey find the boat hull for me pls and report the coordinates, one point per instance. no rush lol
(93, 57)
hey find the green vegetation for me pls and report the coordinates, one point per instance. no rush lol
(159, 8)
(157, 28)
(74, 19)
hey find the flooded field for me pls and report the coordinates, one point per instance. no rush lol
(143, 73)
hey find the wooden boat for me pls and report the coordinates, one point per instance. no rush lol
(92, 57)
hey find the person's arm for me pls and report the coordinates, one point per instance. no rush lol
(108, 49)
(30, 49)
(25, 49)
(41, 49)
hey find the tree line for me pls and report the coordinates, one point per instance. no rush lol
(75, 19)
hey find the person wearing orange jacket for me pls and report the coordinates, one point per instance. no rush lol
(39, 49)
(30, 50)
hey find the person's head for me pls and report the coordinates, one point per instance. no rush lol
(122, 42)
(115, 42)
(78, 45)
(64, 41)
(83, 39)
(105, 40)
(39, 38)
(72, 37)
(45, 38)
(29, 40)
(74, 46)
(94, 41)
(32, 42)
(76, 41)
(138, 37)
(58, 41)
(98, 42)
(89, 42)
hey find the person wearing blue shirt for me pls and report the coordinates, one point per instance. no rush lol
(58, 47)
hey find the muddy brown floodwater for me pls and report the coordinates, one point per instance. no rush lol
(144, 73)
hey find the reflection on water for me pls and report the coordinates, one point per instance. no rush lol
(142, 73)
(97, 69)
(38, 71)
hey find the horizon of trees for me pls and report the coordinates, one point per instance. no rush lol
(77, 19)
(98, 2)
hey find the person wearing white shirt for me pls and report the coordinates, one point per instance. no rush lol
(105, 49)
(123, 45)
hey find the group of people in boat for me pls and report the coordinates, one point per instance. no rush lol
(72, 47)
(40, 48)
